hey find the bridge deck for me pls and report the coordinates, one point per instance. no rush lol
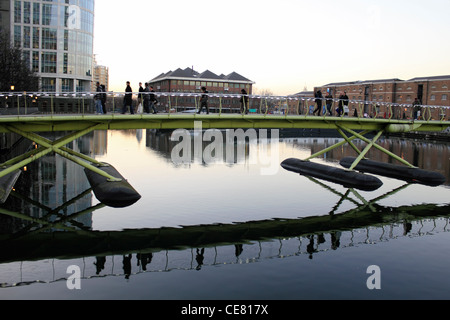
(76, 122)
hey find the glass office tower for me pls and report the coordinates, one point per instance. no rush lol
(57, 39)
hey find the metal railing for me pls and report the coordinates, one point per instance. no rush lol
(26, 103)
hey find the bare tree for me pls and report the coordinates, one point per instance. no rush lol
(15, 70)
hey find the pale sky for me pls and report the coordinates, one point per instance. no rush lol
(282, 45)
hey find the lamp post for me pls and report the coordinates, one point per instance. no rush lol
(12, 98)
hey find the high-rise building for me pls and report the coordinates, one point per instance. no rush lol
(57, 39)
(101, 75)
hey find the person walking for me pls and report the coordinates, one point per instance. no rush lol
(153, 100)
(128, 99)
(146, 98)
(244, 102)
(140, 102)
(318, 101)
(346, 101)
(329, 103)
(416, 109)
(104, 99)
(98, 99)
(204, 101)
(340, 108)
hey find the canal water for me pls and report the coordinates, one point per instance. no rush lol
(236, 228)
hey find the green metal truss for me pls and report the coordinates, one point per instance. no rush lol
(80, 125)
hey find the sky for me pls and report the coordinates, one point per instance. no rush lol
(284, 46)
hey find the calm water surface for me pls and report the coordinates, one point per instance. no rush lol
(225, 231)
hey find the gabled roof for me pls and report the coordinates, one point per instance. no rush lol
(179, 73)
(190, 73)
(235, 77)
(209, 75)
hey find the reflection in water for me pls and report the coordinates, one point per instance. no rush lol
(128, 265)
(422, 154)
(153, 250)
(49, 218)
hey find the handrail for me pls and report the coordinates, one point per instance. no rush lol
(210, 94)
(282, 104)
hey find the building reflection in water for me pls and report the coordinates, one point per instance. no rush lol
(45, 186)
(53, 181)
(434, 156)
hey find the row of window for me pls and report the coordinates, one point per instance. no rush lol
(67, 85)
(409, 88)
(47, 38)
(52, 15)
(47, 62)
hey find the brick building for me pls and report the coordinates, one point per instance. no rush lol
(431, 91)
(190, 81)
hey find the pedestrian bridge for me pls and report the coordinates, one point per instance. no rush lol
(30, 114)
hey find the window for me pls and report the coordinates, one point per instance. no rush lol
(48, 62)
(36, 37)
(26, 37)
(26, 12)
(48, 84)
(35, 62)
(36, 13)
(444, 97)
(17, 36)
(433, 97)
(49, 39)
(17, 12)
(49, 15)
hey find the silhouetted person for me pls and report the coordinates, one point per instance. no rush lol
(318, 100)
(153, 101)
(340, 108)
(239, 248)
(128, 99)
(104, 98)
(329, 103)
(100, 264)
(346, 101)
(310, 247)
(244, 102)
(199, 258)
(335, 240)
(143, 259)
(127, 266)
(407, 227)
(416, 108)
(204, 101)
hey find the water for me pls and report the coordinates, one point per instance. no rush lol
(224, 231)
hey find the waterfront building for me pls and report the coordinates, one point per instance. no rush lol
(189, 80)
(101, 75)
(56, 38)
(428, 90)
(431, 91)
